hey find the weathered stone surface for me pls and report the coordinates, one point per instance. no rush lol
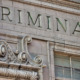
(52, 28)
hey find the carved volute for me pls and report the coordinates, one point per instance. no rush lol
(19, 63)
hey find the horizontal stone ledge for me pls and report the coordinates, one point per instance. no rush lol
(50, 6)
(18, 73)
(15, 65)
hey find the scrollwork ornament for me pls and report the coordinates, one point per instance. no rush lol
(38, 59)
(22, 57)
(6, 53)
(18, 56)
(2, 50)
(28, 39)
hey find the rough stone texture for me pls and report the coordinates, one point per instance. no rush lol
(62, 41)
(76, 1)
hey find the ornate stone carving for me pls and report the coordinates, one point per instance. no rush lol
(37, 60)
(31, 75)
(2, 50)
(23, 57)
(19, 64)
(6, 54)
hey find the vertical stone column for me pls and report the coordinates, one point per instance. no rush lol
(40, 74)
(49, 64)
(51, 60)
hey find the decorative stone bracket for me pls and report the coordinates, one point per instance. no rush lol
(6, 53)
(10, 59)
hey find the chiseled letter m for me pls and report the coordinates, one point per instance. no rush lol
(30, 19)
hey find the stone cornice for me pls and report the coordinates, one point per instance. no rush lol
(65, 3)
(63, 6)
(64, 48)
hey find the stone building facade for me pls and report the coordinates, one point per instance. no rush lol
(39, 39)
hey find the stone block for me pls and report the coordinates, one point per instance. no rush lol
(8, 26)
(35, 47)
(18, 5)
(45, 74)
(7, 3)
